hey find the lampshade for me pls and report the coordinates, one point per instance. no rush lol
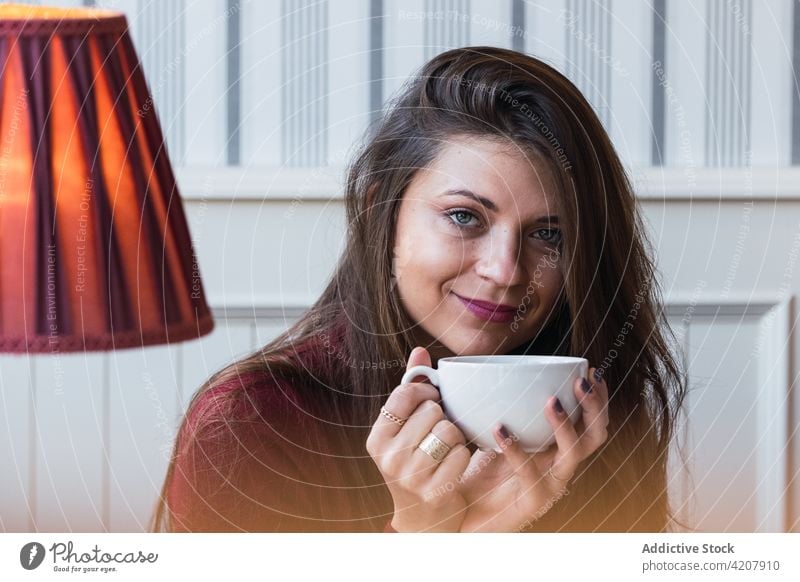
(95, 252)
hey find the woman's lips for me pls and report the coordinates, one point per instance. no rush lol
(488, 311)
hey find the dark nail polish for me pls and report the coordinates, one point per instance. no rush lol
(598, 374)
(585, 386)
(558, 407)
(504, 432)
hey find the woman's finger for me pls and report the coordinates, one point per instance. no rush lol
(427, 415)
(395, 413)
(594, 415)
(446, 432)
(455, 463)
(405, 399)
(569, 452)
(597, 378)
(520, 462)
(402, 403)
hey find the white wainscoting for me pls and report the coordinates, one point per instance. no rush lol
(735, 443)
(88, 436)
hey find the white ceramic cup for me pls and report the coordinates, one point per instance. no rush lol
(478, 392)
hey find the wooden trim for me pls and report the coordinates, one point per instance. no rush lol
(326, 183)
(774, 462)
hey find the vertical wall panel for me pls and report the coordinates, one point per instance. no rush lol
(405, 42)
(143, 385)
(770, 107)
(728, 73)
(628, 65)
(775, 366)
(723, 445)
(658, 59)
(233, 74)
(204, 103)
(71, 423)
(546, 26)
(17, 443)
(347, 95)
(377, 24)
(305, 82)
(794, 84)
(793, 351)
(446, 25)
(491, 24)
(588, 38)
(684, 78)
(678, 483)
(159, 35)
(262, 83)
(578, 37)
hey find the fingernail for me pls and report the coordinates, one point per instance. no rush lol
(504, 432)
(585, 386)
(598, 374)
(558, 407)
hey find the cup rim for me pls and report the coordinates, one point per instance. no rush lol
(519, 360)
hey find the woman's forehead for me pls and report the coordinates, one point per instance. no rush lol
(496, 171)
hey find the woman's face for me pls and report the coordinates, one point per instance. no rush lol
(478, 225)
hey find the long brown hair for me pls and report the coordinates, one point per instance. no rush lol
(611, 312)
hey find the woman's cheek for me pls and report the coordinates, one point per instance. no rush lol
(404, 251)
(444, 249)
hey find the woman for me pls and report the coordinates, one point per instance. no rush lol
(488, 214)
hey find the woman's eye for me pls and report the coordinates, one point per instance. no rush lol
(461, 217)
(550, 235)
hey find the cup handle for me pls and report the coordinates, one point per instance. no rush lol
(426, 371)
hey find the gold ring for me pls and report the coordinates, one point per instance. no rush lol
(553, 475)
(434, 447)
(392, 417)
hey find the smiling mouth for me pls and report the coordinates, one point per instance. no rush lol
(495, 314)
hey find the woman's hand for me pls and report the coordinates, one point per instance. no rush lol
(424, 490)
(506, 491)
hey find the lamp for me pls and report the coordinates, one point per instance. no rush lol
(95, 252)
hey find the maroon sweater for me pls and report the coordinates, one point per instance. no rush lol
(265, 462)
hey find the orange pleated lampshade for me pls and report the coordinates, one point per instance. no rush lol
(95, 251)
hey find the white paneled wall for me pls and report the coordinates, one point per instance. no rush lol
(204, 105)
(262, 104)
(17, 443)
(771, 87)
(724, 437)
(718, 75)
(88, 436)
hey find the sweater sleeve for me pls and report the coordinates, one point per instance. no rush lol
(235, 473)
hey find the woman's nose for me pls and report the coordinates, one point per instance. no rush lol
(499, 259)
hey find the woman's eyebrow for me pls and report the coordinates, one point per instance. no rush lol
(491, 205)
(469, 194)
